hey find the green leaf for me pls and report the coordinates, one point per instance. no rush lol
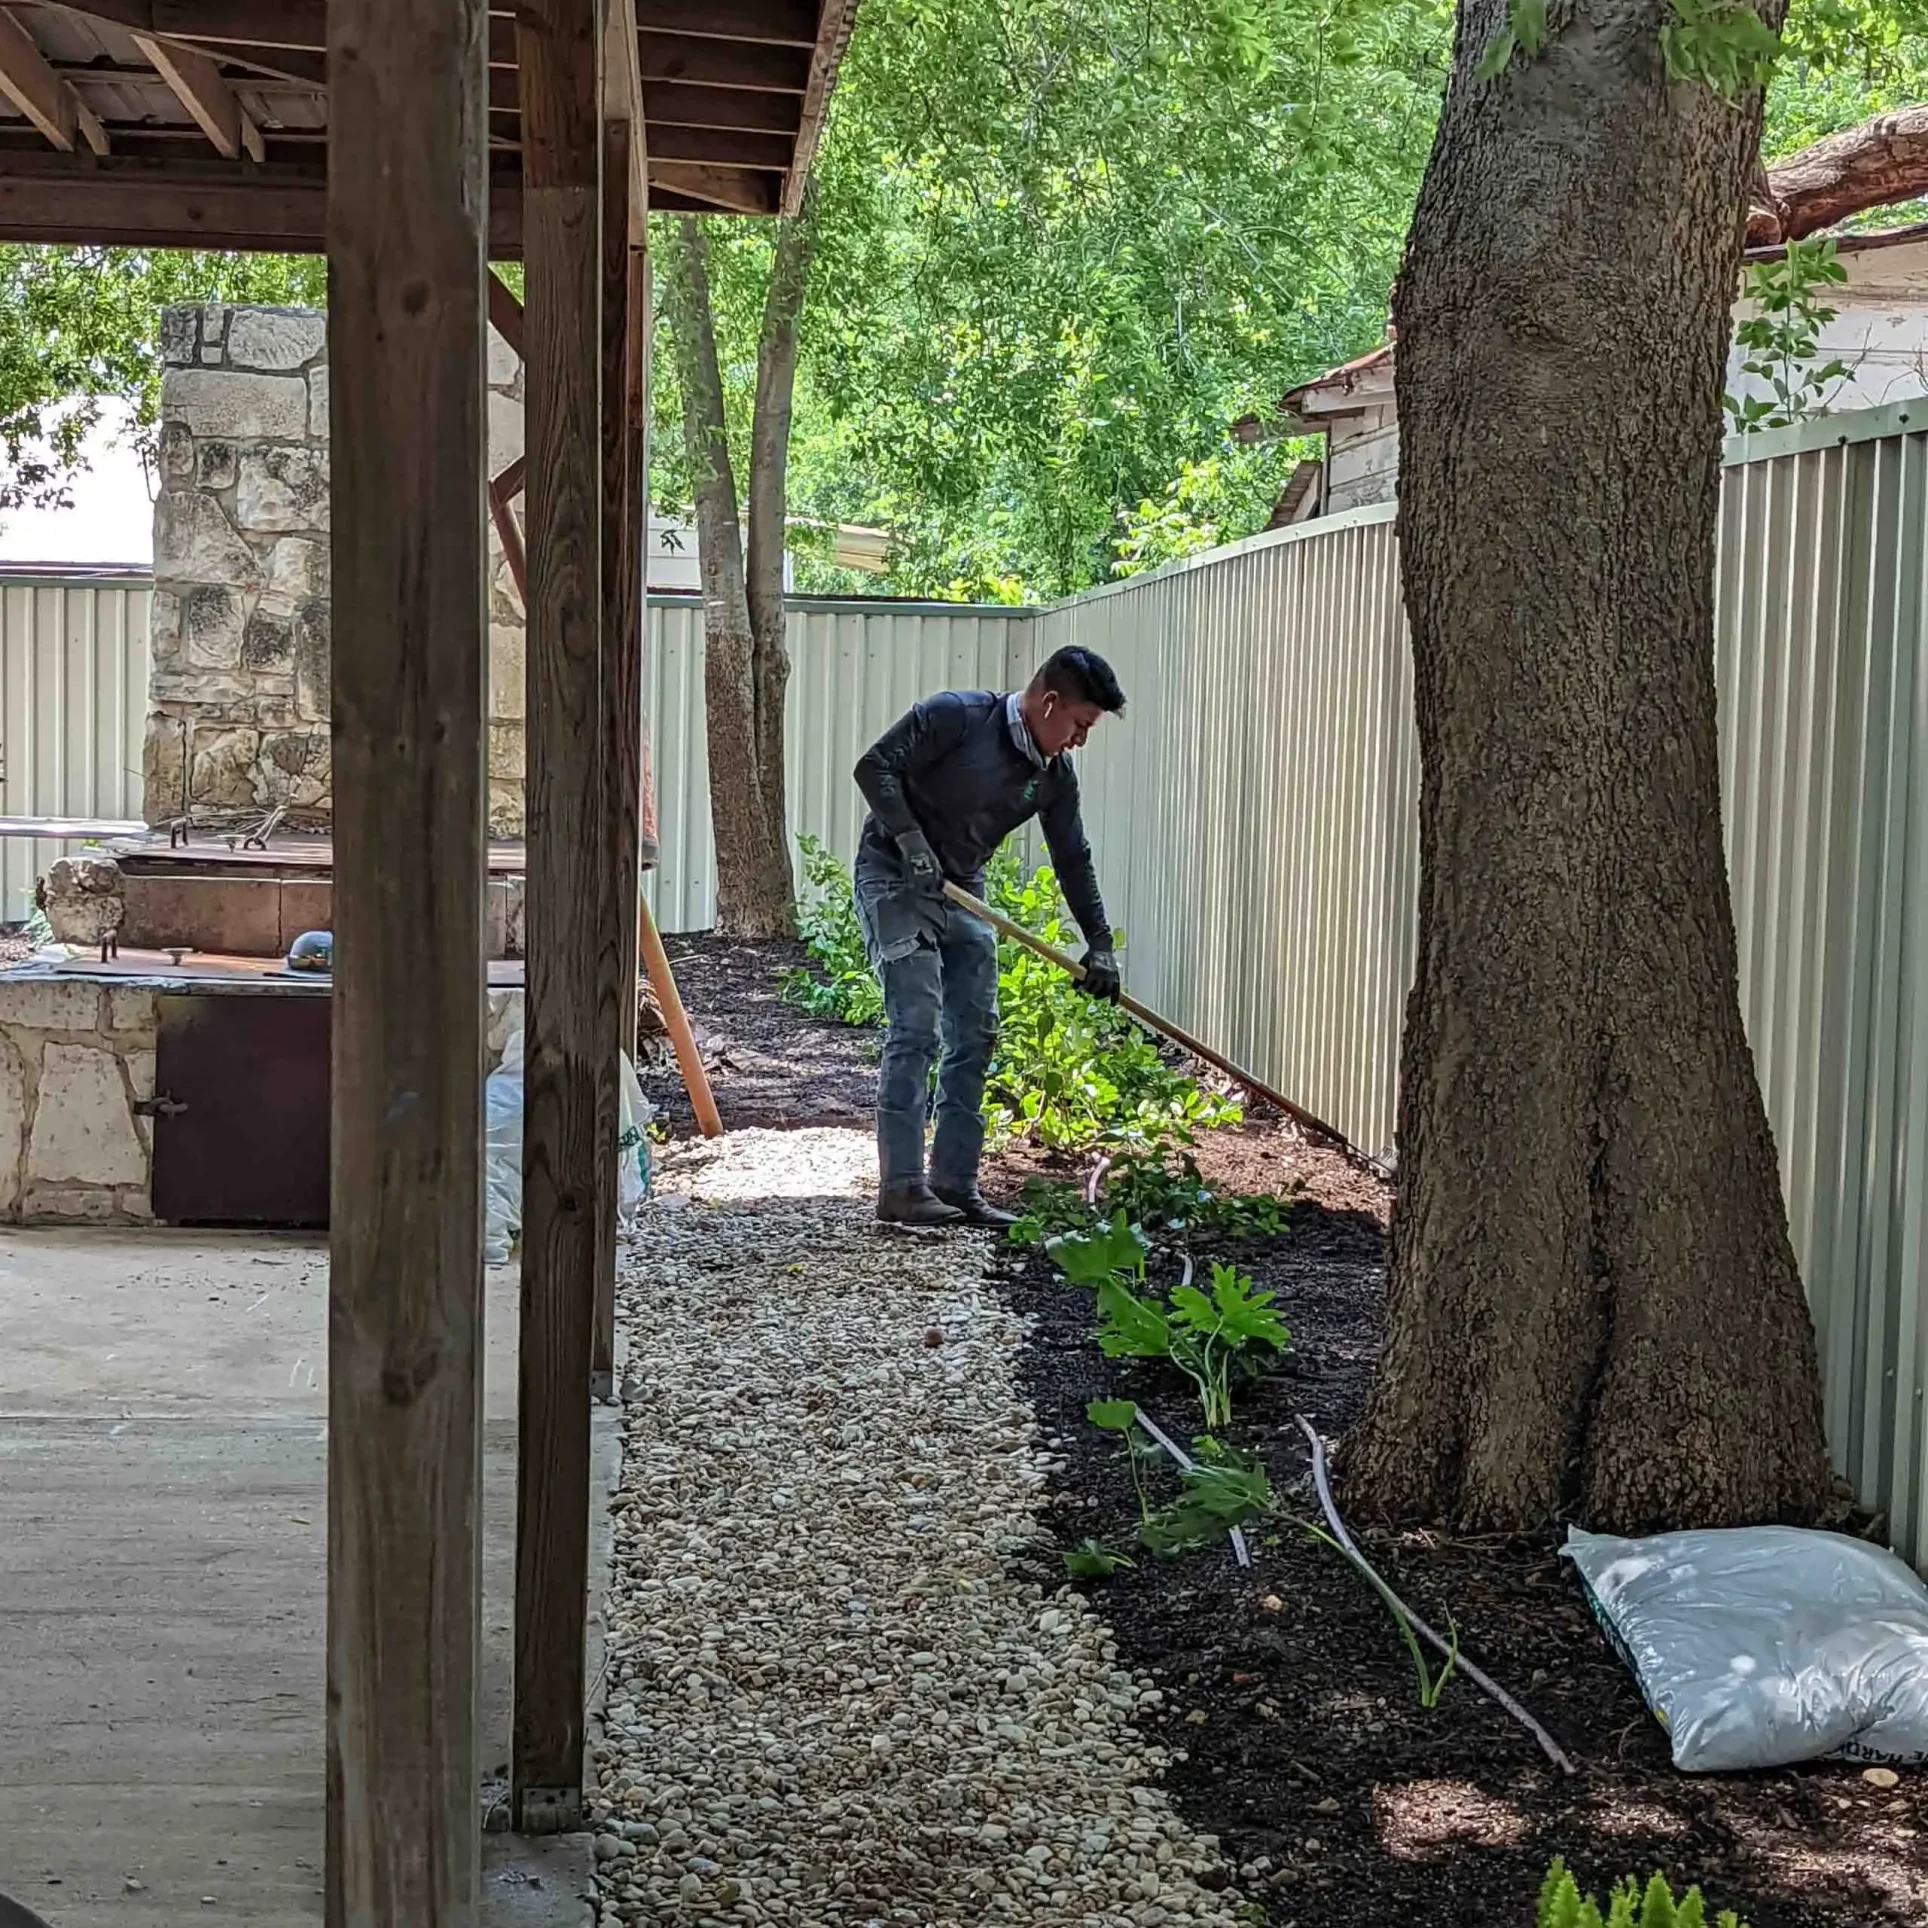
(1090, 1258)
(1129, 1327)
(1112, 1415)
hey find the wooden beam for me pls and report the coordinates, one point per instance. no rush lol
(505, 312)
(38, 92)
(739, 109)
(826, 57)
(721, 63)
(563, 1153)
(711, 146)
(754, 23)
(406, 233)
(240, 23)
(733, 190)
(197, 84)
(206, 203)
(508, 532)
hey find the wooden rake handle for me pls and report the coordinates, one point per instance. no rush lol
(1311, 1126)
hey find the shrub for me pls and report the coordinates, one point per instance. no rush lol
(1167, 1197)
(843, 986)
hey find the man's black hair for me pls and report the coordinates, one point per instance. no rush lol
(1082, 676)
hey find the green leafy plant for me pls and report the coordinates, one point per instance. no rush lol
(842, 986)
(1780, 339)
(1562, 1905)
(1112, 1250)
(1723, 44)
(1120, 1416)
(1207, 1337)
(1094, 1560)
(1162, 1198)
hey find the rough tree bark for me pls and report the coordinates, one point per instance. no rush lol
(1882, 161)
(754, 883)
(1594, 1306)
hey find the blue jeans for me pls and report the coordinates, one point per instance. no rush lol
(939, 991)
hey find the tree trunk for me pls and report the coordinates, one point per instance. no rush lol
(776, 379)
(1593, 1307)
(1882, 161)
(749, 901)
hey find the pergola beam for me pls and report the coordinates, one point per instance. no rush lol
(729, 190)
(406, 195)
(737, 109)
(197, 84)
(39, 93)
(239, 23)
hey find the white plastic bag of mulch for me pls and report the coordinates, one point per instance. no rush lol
(502, 1148)
(1760, 1646)
(632, 1143)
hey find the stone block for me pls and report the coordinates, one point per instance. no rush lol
(177, 452)
(318, 404)
(13, 1125)
(283, 489)
(505, 809)
(214, 330)
(164, 768)
(307, 904)
(82, 898)
(163, 627)
(508, 671)
(212, 695)
(38, 1005)
(505, 431)
(138, 1065)
(69, 1205)
(505, 916)
(135, 1012)
(268, 641)
(293, 769)
(298, 568)
(221, 768)
(312, 688)
(83, 1128)
(230, 916)
(231, 407)
(196, 544)
(213, 628)
(506, 752)
(275, 339)
(180, 335)
(215, 464)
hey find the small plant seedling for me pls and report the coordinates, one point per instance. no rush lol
(1120, 1416)
(1205, 1337)
(1094, 1560)
(1100, 1257)
(1562, 1905)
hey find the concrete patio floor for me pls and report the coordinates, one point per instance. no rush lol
(163, 1453)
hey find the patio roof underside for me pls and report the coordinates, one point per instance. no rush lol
(204, 123)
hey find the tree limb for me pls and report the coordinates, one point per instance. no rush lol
(1882, 161)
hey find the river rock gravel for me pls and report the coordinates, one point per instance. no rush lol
(834, 1696)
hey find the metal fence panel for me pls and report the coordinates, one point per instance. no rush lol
(854, 669)
(1255, 819)
(73, 707)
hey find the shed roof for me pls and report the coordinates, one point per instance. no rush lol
(204, 123)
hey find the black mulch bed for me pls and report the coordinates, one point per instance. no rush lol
(769, 1063)
(1288, 1694)
(1293, 1704)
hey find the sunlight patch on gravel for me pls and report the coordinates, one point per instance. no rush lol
(834, 1698)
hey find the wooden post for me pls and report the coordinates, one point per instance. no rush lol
(619, 739)
(407, 212)
(558, 45)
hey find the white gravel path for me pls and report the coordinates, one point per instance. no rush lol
(831, 1701)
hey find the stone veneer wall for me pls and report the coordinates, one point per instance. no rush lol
(76, 1056)
(238, 695)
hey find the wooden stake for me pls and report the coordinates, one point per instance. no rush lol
(406, 212)
(696, 1080)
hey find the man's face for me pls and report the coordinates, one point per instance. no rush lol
(1058, 724)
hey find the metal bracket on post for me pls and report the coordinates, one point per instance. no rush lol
(549, 1810)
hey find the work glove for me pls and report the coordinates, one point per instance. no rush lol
(1102, 977)
(920, 864)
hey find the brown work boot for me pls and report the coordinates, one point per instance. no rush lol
(977, 1209)
(914, 1203)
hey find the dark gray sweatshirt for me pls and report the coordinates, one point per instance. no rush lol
(962, 768)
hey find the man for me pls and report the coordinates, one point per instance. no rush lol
(946, 784)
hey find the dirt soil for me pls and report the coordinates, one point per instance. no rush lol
(769, 1064)
(1293, 1704)
(1289, 1699)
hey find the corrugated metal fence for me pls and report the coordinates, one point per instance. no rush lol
(854, 669)
(1255, 818)
(73, 707)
